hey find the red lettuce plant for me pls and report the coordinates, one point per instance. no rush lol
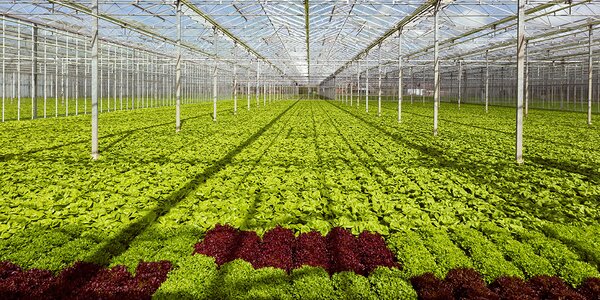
(374, 253)
(310, 249)
(343, 252)
(276, 249)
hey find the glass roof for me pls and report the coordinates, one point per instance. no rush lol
(310, 42)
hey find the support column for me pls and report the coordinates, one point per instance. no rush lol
(234, 88)
(248, 89)
(367, 86)
(215, 74)
(4, 81)
(527, 79)
(590, 77)
(459, 83)
(400, 75)
(95, 45)
(178, 72)
(436, 72)
(258, 84)
(487, 81)
(34, 77)
(379, 82)
(358, 85)
(520, 79)
(351, 84)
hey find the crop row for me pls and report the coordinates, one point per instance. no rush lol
(338, 251)
(82, 281)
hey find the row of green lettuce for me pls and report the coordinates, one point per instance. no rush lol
(456, 200)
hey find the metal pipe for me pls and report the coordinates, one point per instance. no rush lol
(367, 85)
(18, 72)
(459, 83)
(527, 79)
(487, 82)
(178, 72)
(76, 77)
(436, 72)
(379, 82)
(3, 67)
(215, 73)
(520, 79)
(400, 75)
(34, 81)
(590, 76)
(95, 41)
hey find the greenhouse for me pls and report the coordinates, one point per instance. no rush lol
(300, 149)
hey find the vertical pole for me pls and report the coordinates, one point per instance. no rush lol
(66, 88)
(520, 79)
(215, 92)
(234, 88)
(77, 77)
(95, 41)
(459, 83)
(45, 72)
(487, 81)
(3, 66)
(18, 72)
(527, 79)
(257, 83)
(85, 80)
(248, 89)
(379, 82)
(178, 72)
(351, 84)
(412, 84)
(121, 77)
(34, 77)
(590, 76)
(436, 72)
(400, 75)
(358, 85)
(367, 85)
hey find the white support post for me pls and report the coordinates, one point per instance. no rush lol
(436, 72)
(358, 85)
(590, 76)
(95, 45)
(215, 74)
(4, 81)
(487, 81)
(45, 72)
(34, 75)
(77, 77)
(527, 79)
(235, 87)
(367, 86)
(257, 83)
(178, 72)
(18, 72)
(459, 83)
(379, 81)
(248, 89)
(520, 79)
(400, 75)
(351, 84)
